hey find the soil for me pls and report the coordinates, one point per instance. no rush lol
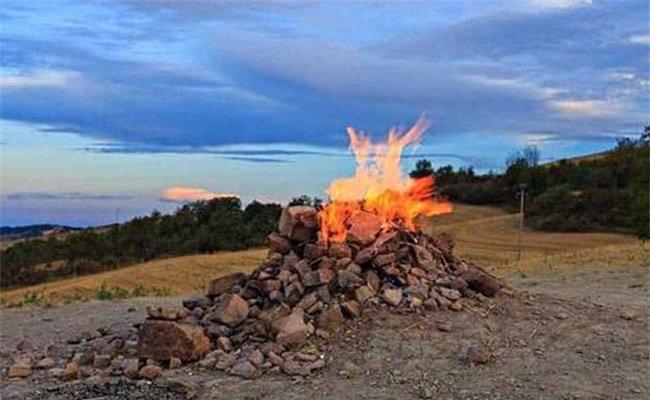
(570, 334)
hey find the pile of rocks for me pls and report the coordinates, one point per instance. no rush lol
(305, 290)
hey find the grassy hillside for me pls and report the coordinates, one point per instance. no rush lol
(486, 235)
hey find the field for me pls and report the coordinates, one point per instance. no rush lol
(485, 235)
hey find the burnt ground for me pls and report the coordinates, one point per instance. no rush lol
(580, 334)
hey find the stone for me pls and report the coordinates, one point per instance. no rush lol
(175, 362)
(340, 250)
(231, 310)
(279, 243)
(451, 294)
(196, 301)
(373, 281)
(347, 279)
(101, 361)
(318, 277)
(224, 344)
(384, 259)
(481, 281)
(364, 227)
(363, 293)
(131, 368)
(423, 258)
(444, 326)
(245, 369)
(56, 373)
(292, 329)
(291, 367)
(430, 304)
(318, 364)
(19, 370)
(71, 371)
(224, 284)
(352, 308)
(478, 355)
(225, 361)
(150, 372)
(215, 330)
(275, 359)
(162, 340)
(392, 296)
(365, 255)
(271, 285)
(341, 263)
(256, 358)
(351, 369)
(182, 385)
(45, 363)
(307, 301)
(313, 251)
(166, 313)
(331, 319)
(298, 223)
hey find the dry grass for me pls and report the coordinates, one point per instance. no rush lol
(178, 276)
(485, 235)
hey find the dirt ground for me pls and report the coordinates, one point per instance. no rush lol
(571, 334)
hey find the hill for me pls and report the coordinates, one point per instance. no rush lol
(32, 231)
(485, 235)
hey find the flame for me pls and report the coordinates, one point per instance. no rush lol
(379, 186)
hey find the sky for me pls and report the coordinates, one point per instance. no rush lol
(111, 109)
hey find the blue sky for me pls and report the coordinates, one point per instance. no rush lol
(106, 104)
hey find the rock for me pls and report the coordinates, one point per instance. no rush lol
(24, 345)
(292, 329)
(275, 359)
(340, 250)
(182, 385)
(83, 357)
(347, 279)
(350, 369)
(224, 343)
(196, 301)
(365, 255)
(364, 227)
(423, 257)
(150, 372)
(392, 296)
(318, 277)
(19, 371)
(224, 284)
(162, 340)
(430, 304)
(363, 293)
(71, 371)
(231, 309)
(313, 251)
(256, 358)
(101, 361)
(373, 280)
(384, 259)
(478, 355)
(279, 243)
(298, 223)
(331, 319)
(318, 364)
(56, 373)
(246, 370)
(291, 367)
(308, 301)
(166, 313)
(175, 362)
(45, 363)
(131, 367)
(225, 361)
(451, 294)
(444, 326)
(481, 281)
(352, 308)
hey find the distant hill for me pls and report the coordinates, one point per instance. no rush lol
(34, 231)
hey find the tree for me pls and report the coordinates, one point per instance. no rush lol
(422, 169)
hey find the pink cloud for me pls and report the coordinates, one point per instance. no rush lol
(181, 194)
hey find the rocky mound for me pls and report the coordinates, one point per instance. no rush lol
(305, 290)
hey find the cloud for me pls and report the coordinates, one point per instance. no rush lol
(38, 78)
(640, 39)
(555, 4)
(593, 108)
(64, 196)
(182, 194)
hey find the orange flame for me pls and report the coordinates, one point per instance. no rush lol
(379, 185)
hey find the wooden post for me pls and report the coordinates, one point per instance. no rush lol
(521, 220)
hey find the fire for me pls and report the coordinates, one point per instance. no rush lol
(379, 186)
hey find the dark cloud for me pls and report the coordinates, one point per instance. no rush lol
(64, 196)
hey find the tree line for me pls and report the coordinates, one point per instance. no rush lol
(200, 227)
(607, 192)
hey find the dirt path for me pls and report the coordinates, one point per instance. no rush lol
(582, 335)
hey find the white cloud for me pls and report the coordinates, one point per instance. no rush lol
(588, 108)
(183, 194)
(36, 78)
(640, 39)
(554, 4)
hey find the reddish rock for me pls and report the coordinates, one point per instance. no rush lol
(363, 293)
(365, 255)
(298, 223)
(313, 251)
(392, 296)
(292, 329)
(352, 308)
(245, 369)
(19, 370)
(196, 301)
(384, 259)
(231, 309)
(223, 285)
(423, 257)
(131, 368)
(162, 340)
(293, 292)
(347, 279)
(256, 358)
(331, 319)
(318, 277)
(279, 243)
(71, 371)
(481, 281)
(45, 363)
(223, 343)
(166, 313)
(275, 359)
(478, 355)
(272, 284)
(451, 294)
(364, 227)
(150, 372)
(340, 250)
(307, 301)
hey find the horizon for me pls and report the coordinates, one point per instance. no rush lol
(153, 104)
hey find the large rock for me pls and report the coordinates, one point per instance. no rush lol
(292, 329)
(299, 223)
(318, 277)
(481, 281)
(331, 319)
(231, 310)
(223, 285)
(162, 340)
(279, 243)
(364, 227)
